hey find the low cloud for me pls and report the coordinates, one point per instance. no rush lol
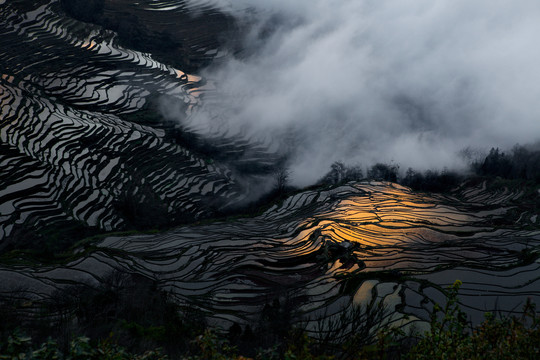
(364, 81)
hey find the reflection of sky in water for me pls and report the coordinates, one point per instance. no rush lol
(384, 228)
(393, 228)
(8, 78)
(188, 77)
(89, 45)
(321, 242)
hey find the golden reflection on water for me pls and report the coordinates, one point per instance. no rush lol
(189, 77)
(8, 78)
(398, 230)
(380, 229)
(389, 218)
(89, 45)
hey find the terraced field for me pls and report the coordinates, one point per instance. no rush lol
(325, 251)
(81, 144)
(77, 140)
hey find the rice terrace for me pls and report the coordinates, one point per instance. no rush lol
(207, 179)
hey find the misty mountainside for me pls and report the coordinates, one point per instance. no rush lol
(121, 159)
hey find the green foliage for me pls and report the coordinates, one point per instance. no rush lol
(47, 351)
(126, 308)
(302, 347)
(448, 329)
(450, 336)
(16, 346)
(155, 333)
(389, 342)
(212, 347)
(19, 347)
(506, 338)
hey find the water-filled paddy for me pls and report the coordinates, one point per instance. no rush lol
(78, 146)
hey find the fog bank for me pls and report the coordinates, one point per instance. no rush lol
(409, 81)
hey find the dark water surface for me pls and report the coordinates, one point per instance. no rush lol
(79, 145)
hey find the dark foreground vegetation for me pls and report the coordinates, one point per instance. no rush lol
(119, 328)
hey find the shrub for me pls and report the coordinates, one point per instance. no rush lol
(505, 338)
